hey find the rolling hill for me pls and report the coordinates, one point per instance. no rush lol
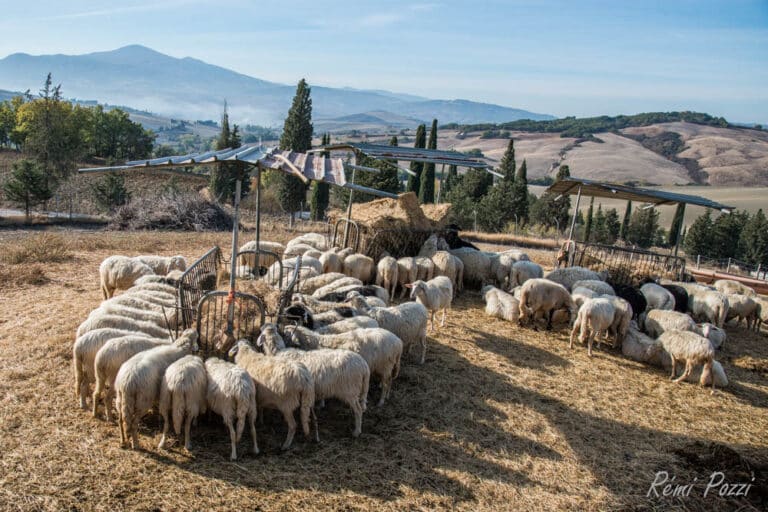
(189, 88)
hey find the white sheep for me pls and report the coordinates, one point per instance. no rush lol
(579, 294)
(338, 373)
(293, 250)
(762, 311)
(331, 261)
(108, 360)
(515, 254)
(265, 260)
(731, 287)
(500, 304)
(657, 297)
(359, 266)
(280, 384)
(335, 285)
(435, 295)
(120, 273)
(160, 305)
(316, 240)
(477, 265)
(425, 268)
(658, 321)
(599, 287)
(144, 315)
(446, 264)
(380, 348)
(149, 286)
(594, 319)
(408, 321)
(407, 272)
(621, 319)
(569, 275)
(348, 324)
(312, 284)
(387, 274)
(742, 307)
(432, 245)
(84, 351)
(109, 321)
(182, 396)
(162, 265)
(313, 253)
(501, 269)
(522, 271)
(710, 305)
(644, 349)
(542, 298)
(231, 393)
(693, 349)
(138, 382)
(715, 335)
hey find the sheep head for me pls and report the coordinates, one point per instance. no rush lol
(418, 289)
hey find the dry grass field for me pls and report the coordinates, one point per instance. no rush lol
(498, 418)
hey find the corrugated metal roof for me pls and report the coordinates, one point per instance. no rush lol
(307, 166)
(407, 154)
(611, 190)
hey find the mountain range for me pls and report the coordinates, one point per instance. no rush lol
(189, 88)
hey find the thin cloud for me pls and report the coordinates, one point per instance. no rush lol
(380, 20)
(155, 6)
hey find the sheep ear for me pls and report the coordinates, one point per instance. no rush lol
(408, 285)
(233, 351)
(260, 341)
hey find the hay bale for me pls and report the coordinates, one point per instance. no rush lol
(401, 213)
(437, 213)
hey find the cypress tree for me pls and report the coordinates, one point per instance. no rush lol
(507, 166)
(699, 235)
(450, 180)
(677, 223)
(625, 221)
(427, 186)
(320, 192)
(224, 175)
(588, 225)
(612, 225)
(297, 136)
(519, 204)
(414, 182)
(754, 239)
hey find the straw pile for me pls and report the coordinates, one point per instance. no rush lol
(401, 213)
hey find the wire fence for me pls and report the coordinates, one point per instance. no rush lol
(224, 317)
(732, 266)
(200, 278)
(628, 266)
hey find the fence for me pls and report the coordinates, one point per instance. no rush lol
(628, 266)
(195, 282)
(348, 237)
(732, 266)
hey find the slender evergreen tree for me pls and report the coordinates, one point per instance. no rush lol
(588, 222)
(754, 239)
(320, 191)
(677, 223)
(450, 180)
(414, 182)
(520, 204)
(297, 136)
(507, 165)
(28, 185)
(427, 186)
(224, 176)
(625, 221)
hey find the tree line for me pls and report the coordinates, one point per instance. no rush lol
(737, 235)
(55, 134)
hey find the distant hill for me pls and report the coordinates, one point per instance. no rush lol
(188, 88)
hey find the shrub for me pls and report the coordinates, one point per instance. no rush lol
(181, 212)
(43, 248)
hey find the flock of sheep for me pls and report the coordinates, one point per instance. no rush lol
(342, 330)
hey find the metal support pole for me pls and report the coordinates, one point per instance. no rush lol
(440, 183)
(728, 269)
(349, 206)
(680, 227)
(698, 260)
(575, 212)
(258, 217)
(233, 263)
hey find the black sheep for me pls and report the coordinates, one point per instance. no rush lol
(632, 295)
(680, 295)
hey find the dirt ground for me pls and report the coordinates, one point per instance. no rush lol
(498, 418)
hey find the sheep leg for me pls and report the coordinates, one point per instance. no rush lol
(674, 367)
(135, 432)
(686, 372)
(576, 328)
(386, 385)
(590, 339)
(187, 426)
(99, 388)
(109, 397)
(252, 424)
(358, 410)
(161, 445)
(289, 419)
(314, 424)
(423, 348)
(123, 433)
(232, 438)
(549, 319)
(432, 321)
(442, 323)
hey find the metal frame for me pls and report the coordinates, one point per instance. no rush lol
(194, 283)
(348, 223)
(628, 266)
(257, 253)
(224, 317)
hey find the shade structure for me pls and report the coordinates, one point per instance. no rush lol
(306, 166)
(406, 154)
(587, 187)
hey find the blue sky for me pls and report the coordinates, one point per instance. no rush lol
(586, 57)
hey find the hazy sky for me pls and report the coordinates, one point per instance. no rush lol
(585, 57)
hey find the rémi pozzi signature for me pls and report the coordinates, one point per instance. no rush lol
(665, 485)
